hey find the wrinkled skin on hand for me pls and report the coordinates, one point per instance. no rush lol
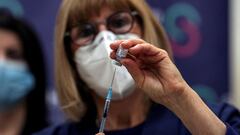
(152, 69)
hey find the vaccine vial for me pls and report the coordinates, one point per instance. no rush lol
(120, 54)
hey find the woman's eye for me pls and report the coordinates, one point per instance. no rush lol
(83, 34)
(86, 31)
(120, 22)
(14, 54)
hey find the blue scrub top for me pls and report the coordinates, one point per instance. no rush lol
(159, 121)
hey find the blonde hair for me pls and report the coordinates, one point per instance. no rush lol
(72, 11)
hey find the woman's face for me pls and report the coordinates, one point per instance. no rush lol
(10, 46)
(99, 21)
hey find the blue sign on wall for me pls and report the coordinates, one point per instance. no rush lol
(198, 31)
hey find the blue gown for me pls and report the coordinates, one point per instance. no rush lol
(159, 121)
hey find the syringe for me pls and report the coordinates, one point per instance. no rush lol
(106, 105)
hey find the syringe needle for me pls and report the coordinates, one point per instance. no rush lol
(106, 105)
(113, 76)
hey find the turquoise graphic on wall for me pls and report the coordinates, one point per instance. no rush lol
(14, 6)
(206, 92)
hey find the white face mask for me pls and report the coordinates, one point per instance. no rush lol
(96, 68)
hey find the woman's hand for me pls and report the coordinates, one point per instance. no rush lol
(154, 72)
(152, 69)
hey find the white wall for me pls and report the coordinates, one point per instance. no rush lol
(235, 52)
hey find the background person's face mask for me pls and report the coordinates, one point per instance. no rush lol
(96, 69)
(15, 83)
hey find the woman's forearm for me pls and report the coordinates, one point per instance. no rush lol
(195, 114)
(155, 74)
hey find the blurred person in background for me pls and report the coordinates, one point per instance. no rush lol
(150, 97)
(22, 78)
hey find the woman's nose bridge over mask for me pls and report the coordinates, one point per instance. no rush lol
(101, 25)
(106, 39)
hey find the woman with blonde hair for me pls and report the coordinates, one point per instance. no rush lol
(149, 95)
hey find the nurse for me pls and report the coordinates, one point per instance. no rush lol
(149, 94)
